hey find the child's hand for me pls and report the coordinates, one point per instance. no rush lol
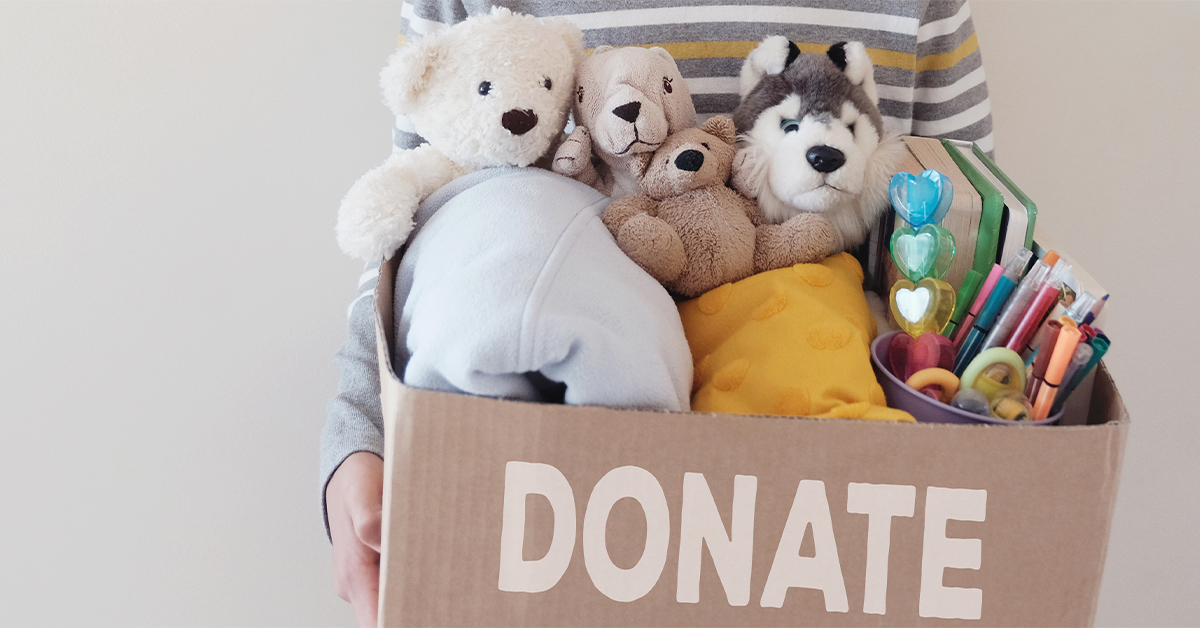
(354, 498)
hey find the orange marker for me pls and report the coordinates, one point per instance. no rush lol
(1064, 348)
(1051, 258)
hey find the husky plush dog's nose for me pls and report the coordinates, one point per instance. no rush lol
(628, 111)
(518, 121)
(690, 160)
(825, 158)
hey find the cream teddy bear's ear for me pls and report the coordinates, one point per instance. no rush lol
(721, 127)
(571, 36)
(852, 59)
(409, 73)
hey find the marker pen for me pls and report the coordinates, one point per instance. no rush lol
(1081, 307)
(980, 299)
(970, 286)
(1045, 348)
(987, 316)
(1083, 355)
(1064, 348)
(1091, 316)
(1017, 304)
(1100, 345)
(1039, 307)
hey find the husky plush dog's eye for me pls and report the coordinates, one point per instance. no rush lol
(789, 125)
(851, 127)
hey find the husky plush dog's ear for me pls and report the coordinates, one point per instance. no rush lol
(770, 57)
(852, 59)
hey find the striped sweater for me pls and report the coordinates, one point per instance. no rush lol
(926, 55)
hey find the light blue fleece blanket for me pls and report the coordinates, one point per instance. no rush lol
(511, 273)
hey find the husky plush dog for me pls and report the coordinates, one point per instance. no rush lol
(812, 138)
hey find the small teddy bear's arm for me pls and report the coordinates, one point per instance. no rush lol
(648, 240)
(574, 158)
(376, 215)
(803, 239)
(622, 209)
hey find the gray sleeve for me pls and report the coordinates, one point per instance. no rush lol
(354, 418)
(950, 99)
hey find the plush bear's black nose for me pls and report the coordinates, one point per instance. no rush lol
(628, 111)
(825, 158)
(690, 160)
(518, 121)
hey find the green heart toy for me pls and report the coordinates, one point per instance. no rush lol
(926, 252)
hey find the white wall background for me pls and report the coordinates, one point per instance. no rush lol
(171, 294)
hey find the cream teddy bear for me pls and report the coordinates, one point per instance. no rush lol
(627, 101)
(493, 90)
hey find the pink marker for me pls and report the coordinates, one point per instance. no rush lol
(980, 299)
(1042, 303)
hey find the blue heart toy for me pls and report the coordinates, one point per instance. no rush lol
(923, 199)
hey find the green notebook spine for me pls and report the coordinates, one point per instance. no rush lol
(1030, 207)
(993, 210)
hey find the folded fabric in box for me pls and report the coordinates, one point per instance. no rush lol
(792, 341)
(511, 284)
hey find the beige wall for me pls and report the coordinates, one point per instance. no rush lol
(171, 295)
(1095, 109)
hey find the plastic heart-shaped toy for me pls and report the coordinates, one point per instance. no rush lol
(922, 307)
(926, 252)
(923, 199)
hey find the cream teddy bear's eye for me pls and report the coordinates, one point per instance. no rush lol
(484, 88)
(547, 83)
(667, 85)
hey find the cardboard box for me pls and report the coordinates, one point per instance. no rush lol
(502, 513)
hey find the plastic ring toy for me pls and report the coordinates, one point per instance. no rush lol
(935, 376)
(995, 355)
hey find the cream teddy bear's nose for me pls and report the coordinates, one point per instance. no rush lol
(519, 121)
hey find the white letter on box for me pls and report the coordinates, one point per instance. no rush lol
(822, 571)
(732, 554)
(534, 576)
(879, 502)
(626, 585)
(940, 553)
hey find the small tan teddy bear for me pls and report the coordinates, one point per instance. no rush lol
(686, 228)
(691, 232)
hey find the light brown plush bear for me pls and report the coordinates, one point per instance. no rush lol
(691, 232)
(686, 228)
(627, 101)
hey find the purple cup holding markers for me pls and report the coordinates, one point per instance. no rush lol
(924, 409)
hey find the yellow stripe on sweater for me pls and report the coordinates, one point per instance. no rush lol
(948, 60)
(741, 49)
